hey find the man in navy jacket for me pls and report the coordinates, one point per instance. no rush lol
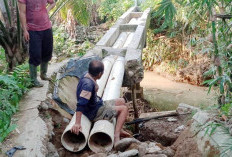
(92, 106)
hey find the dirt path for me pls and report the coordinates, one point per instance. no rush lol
(165, 94)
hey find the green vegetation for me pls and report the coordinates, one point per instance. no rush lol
(181, 30)
(2, 60)
(67, 47)
(11, 38)
(12, 88)
(111, 10)
(62, 43)
(14, 78)
(80, 9)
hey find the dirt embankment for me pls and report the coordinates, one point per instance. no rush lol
(186, 145)
(193, 73)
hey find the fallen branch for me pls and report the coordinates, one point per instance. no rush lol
(223, 16)
(139, 120)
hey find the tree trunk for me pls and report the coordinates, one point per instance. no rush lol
(11, 36)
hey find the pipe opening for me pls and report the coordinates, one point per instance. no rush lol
(100, 142)
(73, 141)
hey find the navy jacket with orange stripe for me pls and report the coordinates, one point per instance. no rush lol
(87, 100)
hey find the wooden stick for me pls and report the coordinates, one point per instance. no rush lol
(136, 115)
(139, 120)
(223, 16)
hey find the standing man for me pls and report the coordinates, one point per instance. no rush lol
(37, 30)
(93, 107)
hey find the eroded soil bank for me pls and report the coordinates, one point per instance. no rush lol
(155, 137)
(163, 128)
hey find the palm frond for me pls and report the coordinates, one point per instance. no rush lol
(80, 11)
(166, 11)
(59, 7)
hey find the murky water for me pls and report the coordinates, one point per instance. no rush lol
(165, 94)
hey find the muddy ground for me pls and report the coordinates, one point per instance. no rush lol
(59, 124)
(161, 131)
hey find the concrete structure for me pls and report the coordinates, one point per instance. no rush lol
(108, 64)
(126, 39)
(73, 142)
(121, 51)
(211, 142)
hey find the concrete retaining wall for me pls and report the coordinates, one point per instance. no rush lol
(212, 140)
(132, 51)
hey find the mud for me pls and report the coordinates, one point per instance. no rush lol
(59, 127)
(161, 130)
(142, 106)
(186, 145)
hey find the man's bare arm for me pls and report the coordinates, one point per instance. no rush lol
(77, 126)
(22, 13)
(78, 117)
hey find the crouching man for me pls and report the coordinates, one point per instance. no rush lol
(93, 107)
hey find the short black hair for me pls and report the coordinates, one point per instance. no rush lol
(96, 67)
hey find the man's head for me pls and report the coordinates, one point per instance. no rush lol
(96, 68)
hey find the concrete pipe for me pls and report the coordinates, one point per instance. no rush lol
(73, 142)
(121, 40)
(129, 39)
(112, 90)
(101, 138)
(108, 64)
(133, 21)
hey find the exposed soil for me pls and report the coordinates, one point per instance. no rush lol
(186, 145)
(142, 105)
(152, 130)
(59, 127)
(193, 73)
(161, 130)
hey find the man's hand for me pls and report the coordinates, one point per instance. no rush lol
(26, 35)
(76, 129)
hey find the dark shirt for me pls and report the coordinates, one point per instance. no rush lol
(87, 100)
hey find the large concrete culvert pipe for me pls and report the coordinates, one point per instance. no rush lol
(73, 142)
(101, 138)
